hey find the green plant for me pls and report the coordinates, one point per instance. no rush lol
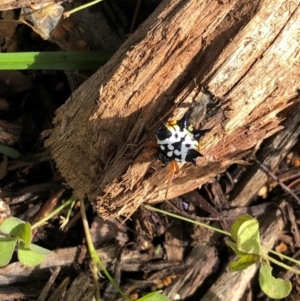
(61, 60)
(96, 260)
(245, 243)
(18, 233)
(98, 264)
(247, 246)
(9, 151)
(68, 13)
(154, 296)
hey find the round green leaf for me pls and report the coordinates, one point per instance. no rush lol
(22, 232)
(248, 238)
(7, 246)
(273, 287)
(154, 296)
(237, 223)
(234, 248)
(29, 257)
(243, 263)
(39, 250)
(9, 224)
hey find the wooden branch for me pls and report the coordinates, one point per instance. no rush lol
(245, 53)
(270, 155)
(18, 273)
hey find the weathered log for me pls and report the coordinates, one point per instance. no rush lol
(245, 53)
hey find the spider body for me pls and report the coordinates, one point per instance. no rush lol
(178, 141)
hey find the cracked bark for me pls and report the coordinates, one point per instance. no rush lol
(245, 53)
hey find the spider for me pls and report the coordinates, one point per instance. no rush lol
(178, 142)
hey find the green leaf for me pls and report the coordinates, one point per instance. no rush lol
(234, 248)
(273, 287)
(9, 224)
(243, 263)
(248, 239)
(154, 296)
(245, 232)
(9, 151)
(22, 232)
(237, 224)
(61, 60)
(7, 246)
(29, 257)
(39, 250)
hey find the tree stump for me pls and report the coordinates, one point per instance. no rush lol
(235, 63)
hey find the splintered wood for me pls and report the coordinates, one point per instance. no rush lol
(245, 53)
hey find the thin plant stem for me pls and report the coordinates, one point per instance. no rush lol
(53, 213)
(263, 255)
(188, 220)
(75, 10)
(96, 282)
(93, 253)
(281, 264)
(283, 256)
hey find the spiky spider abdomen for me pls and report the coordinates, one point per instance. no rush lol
(178, 141)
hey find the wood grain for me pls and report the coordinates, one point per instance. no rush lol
(245, 53)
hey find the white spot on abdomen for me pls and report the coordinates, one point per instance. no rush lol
(169, 154)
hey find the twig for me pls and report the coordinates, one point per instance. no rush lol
(136, 12)
(275, 178)
(96, 261)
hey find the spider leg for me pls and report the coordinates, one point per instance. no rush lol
(174, 169)
(149, 153)
(183, 122)
(199, 133)
(146, 155)
(151, 144)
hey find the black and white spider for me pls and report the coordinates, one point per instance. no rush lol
(178, 142)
